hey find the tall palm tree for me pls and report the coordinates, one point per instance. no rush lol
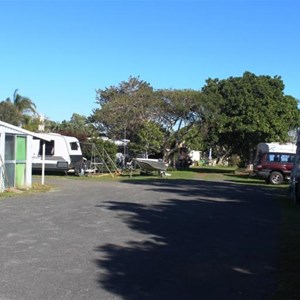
(23, 104)
(24, 108)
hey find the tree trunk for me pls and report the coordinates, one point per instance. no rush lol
(221, 159)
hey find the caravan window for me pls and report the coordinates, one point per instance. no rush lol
(74, 146)
(49, 148)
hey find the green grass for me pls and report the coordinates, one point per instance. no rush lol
(203, 173)
(7, 194)
(36, 188)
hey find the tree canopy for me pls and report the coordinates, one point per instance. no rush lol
(78, 126)
(24, 104)
(250, 109)
(124, 108)
(9, 113)
(231, 115)
(20, 111)
(135, 110)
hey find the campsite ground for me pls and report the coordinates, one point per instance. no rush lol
(152, 238)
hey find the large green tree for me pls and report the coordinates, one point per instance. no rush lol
(78, 126)
(134, 110)
(148, 139)
(9, 113)
(124, 108)
(182, 115)
(248, 110)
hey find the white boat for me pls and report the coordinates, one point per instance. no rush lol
(149, 165)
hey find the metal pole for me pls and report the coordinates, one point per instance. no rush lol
(124, 160)
(43, 163)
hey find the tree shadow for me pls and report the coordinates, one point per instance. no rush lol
(199, 241)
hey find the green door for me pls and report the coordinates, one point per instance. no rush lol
(20, 161)
(21, 148)
(20, 175)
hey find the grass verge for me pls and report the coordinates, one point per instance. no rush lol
(36, 188)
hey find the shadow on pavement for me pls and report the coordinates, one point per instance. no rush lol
(203, 240)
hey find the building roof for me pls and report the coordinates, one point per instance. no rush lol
(20, 130)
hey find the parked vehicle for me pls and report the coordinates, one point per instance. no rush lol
(62, 153)
(274, 162)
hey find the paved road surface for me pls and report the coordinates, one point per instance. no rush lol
(145, 240)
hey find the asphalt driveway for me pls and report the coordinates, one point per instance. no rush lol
(162, 239)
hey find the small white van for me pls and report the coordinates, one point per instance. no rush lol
(62, 153)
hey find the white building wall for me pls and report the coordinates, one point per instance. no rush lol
(5, 128)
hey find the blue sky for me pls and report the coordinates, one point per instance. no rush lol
(58, 52)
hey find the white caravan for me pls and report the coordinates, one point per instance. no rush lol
(276, 147)
(62, 153)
